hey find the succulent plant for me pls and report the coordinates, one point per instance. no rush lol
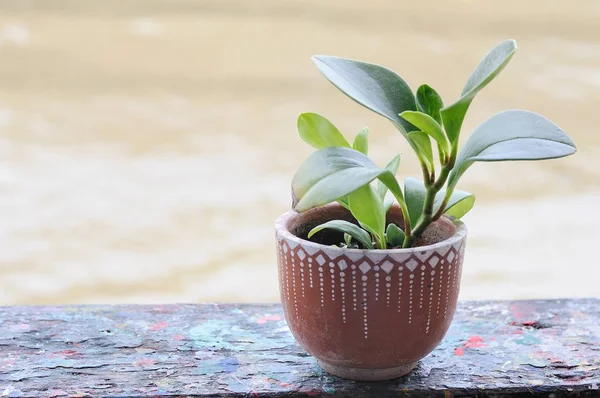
(341, 172)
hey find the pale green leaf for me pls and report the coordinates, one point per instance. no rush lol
(512, 135)
(359, 234)
(319, 132)
(392, 167)
(458, 205)
(428, 125)
(414, 194)
(367, 207)
(491, 65)
(333, 173)
(330, 174)
(347, 239)
(423, 143)
(429, 102)
(391, 183)
(373, 86)
(394, 235)
(361, 141)
(344, 202)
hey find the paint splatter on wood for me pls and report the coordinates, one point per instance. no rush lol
(525, 348)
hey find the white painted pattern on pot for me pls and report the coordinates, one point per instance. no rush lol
(353, 267)
(439, 300)
(400, 288)
(376, 269)
(410, 296)
(428, 272)
(321, 285)
(310, 273)
(294, 286)
(332, 272)
(343, 293)
(421, 291)
(388, 290)
(360, 285)
(302, 279)
(448, 287)
(364, 304)
(432, 282)
(365, 268)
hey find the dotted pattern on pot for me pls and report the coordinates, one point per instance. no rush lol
(430, 276)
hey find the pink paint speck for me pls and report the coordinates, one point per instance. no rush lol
(178, 337)
(21, 327)
(474, 342)
(459, 352)
(266, 318)
(144, 362)
(159, 326)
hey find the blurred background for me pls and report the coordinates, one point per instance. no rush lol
(147, 146)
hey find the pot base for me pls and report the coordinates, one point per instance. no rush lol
(361, 374)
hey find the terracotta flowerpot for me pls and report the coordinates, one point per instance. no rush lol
(367, 314)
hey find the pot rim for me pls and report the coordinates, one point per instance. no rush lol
(282, 222)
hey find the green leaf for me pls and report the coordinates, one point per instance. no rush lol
(423, 143)
(347, 239)
(361, 141)
(344, 202)
(392, 167)
(458, 205)
(429, 102)
(330, 174)
(394, 235)
(392, 184)
(491, 65)
(373, 86)
(414, 194)
(512, 135)
(428, 125)
(319, 132)
(367, 207)
(359, 234)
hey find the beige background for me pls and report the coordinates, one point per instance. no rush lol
(147, 146)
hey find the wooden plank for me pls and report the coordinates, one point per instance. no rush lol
(521, 348)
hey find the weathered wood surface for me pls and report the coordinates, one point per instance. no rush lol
(521, 348)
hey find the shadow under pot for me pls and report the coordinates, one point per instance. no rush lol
(367, 314)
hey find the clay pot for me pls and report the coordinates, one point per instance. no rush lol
(367, 314)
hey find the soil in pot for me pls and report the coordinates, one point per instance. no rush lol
(438, 231)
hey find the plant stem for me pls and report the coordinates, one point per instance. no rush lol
(426, 173)
(440, 211)
(428, 217)
(406, 219)
(381, 243)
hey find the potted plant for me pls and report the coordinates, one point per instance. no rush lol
(369, 271)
